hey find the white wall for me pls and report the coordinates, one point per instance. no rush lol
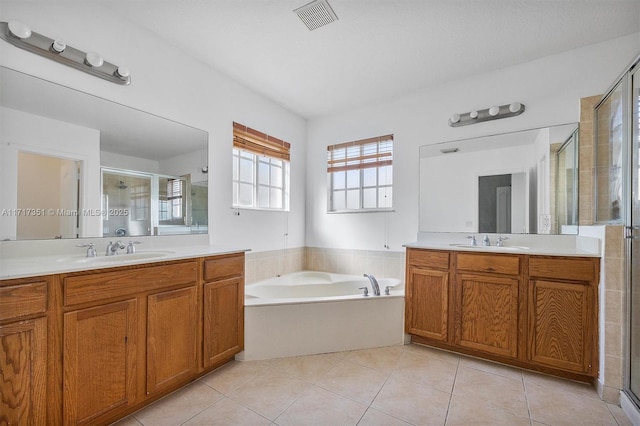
(127, 162)
(168, 83)
(550, 88)
(31, 133)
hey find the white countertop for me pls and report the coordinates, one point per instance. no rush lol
(27, 259)
(541, 245)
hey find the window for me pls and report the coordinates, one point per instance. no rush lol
(360, 174)
(260, 170)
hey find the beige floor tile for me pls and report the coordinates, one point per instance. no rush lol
(127, 421)
(493, 390)
(353, 381)
(380, 359)
(427, 370)
(412, 402)
(320, 407)
(227, 412)
(309, 368)
(463, 412)
(538, 379)
(556, 406)
(179, 406)
(235, 374)
(377, 418)
(491, 367)
(440, 354)
(269, 394)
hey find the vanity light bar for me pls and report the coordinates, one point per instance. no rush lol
(21, 36)
(493, 113)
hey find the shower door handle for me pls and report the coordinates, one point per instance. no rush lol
(631, 232)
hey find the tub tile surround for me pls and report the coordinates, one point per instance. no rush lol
(270, 264)
(392, 385)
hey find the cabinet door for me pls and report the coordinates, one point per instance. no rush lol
(487, 314)
(172, 324)
(560, 324)
(428, 303)
(99, 361)
(223, 320)
(23, 360)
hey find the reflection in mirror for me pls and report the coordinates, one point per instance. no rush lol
(508, 183)
(126, 199)
(564, 178)
(50, 181)
(42, 118)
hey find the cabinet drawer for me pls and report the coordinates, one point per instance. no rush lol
(578, 269)
(222, 267)
(429, 258)
(99, 286)
(24, 299)
(495, 263)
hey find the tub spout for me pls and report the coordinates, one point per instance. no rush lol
(374, 284)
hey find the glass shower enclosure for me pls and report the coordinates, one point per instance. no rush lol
(617, 194)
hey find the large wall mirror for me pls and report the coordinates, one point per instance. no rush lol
(74, 165)
(519, 183)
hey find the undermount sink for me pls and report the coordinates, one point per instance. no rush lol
(118, 258)
(490, 248)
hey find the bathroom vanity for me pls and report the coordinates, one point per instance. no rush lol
(529, 310)
(91, 346)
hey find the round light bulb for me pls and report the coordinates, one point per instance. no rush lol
(494, 110)
(515, 106)
(19, 30)
(58, 46)
(122, 72)
(455, 117)
(473, 114)
(93, 59)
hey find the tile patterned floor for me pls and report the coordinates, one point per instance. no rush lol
(396, 385)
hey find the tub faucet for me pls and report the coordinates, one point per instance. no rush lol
(374, 284)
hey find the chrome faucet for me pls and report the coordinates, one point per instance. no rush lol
(131, 248)
(91, 250)
(486, 241)
(473, 241)
(374, 284)
(500, 241)
(112, 248)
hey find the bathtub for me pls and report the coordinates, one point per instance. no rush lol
(308, 312)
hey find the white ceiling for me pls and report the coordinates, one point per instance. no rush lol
(378, 49)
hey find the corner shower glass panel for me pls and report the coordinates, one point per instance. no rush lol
(633, 248)
(608, 153)
(564, 198)
(126, 204)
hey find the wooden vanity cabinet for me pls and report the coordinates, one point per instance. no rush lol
(427, 288)
(23, 351)
(562, 308)
(487, 289)
(172, 337)
(99, 364)
(536, 312)
(91, 347)
(223, 305)
(128, 332)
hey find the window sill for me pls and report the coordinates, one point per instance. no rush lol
(260, 209)
(391, 210)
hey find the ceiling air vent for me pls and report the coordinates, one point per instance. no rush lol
(316, 14)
